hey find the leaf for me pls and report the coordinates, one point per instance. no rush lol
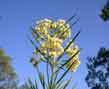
(30, 85)
(66, 83)
(68, 45)
(35, 35)
(41, 78)
(58, 85)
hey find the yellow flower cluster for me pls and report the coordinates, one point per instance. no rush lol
(74, 63)
(72, 50)
(60, 28)
(53, 45)
(42, 27)
(54, 33)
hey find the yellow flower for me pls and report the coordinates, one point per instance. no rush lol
(60, 51)
(38, 22)
(48, 25)
(42, 32)
(61, 21)
(58, 40)
(43, 45)
(52, 53)
(72, 50)
(66, 33)
(54, 42)
(48, 20)
(75, 63)
(45, 32)
(53, 25)
(43, 21)
(57, 45)
(54, 45)
(67, 26)
(44, 51)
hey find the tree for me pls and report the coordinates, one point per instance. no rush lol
(98, 70)
(105, 12)
(7, 73)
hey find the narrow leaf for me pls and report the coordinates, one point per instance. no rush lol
(68, 45)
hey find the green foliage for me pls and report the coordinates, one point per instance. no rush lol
(105, 12)
(7, 73)
(98, 70)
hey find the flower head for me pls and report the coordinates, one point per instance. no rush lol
(71, 51)
(53, 34)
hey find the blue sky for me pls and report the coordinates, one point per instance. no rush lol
(19, 15)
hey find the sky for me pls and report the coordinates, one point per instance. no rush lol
(19, 15)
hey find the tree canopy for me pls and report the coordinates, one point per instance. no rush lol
(98, 70)
(7, 73)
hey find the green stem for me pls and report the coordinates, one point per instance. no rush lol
(47, 65)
